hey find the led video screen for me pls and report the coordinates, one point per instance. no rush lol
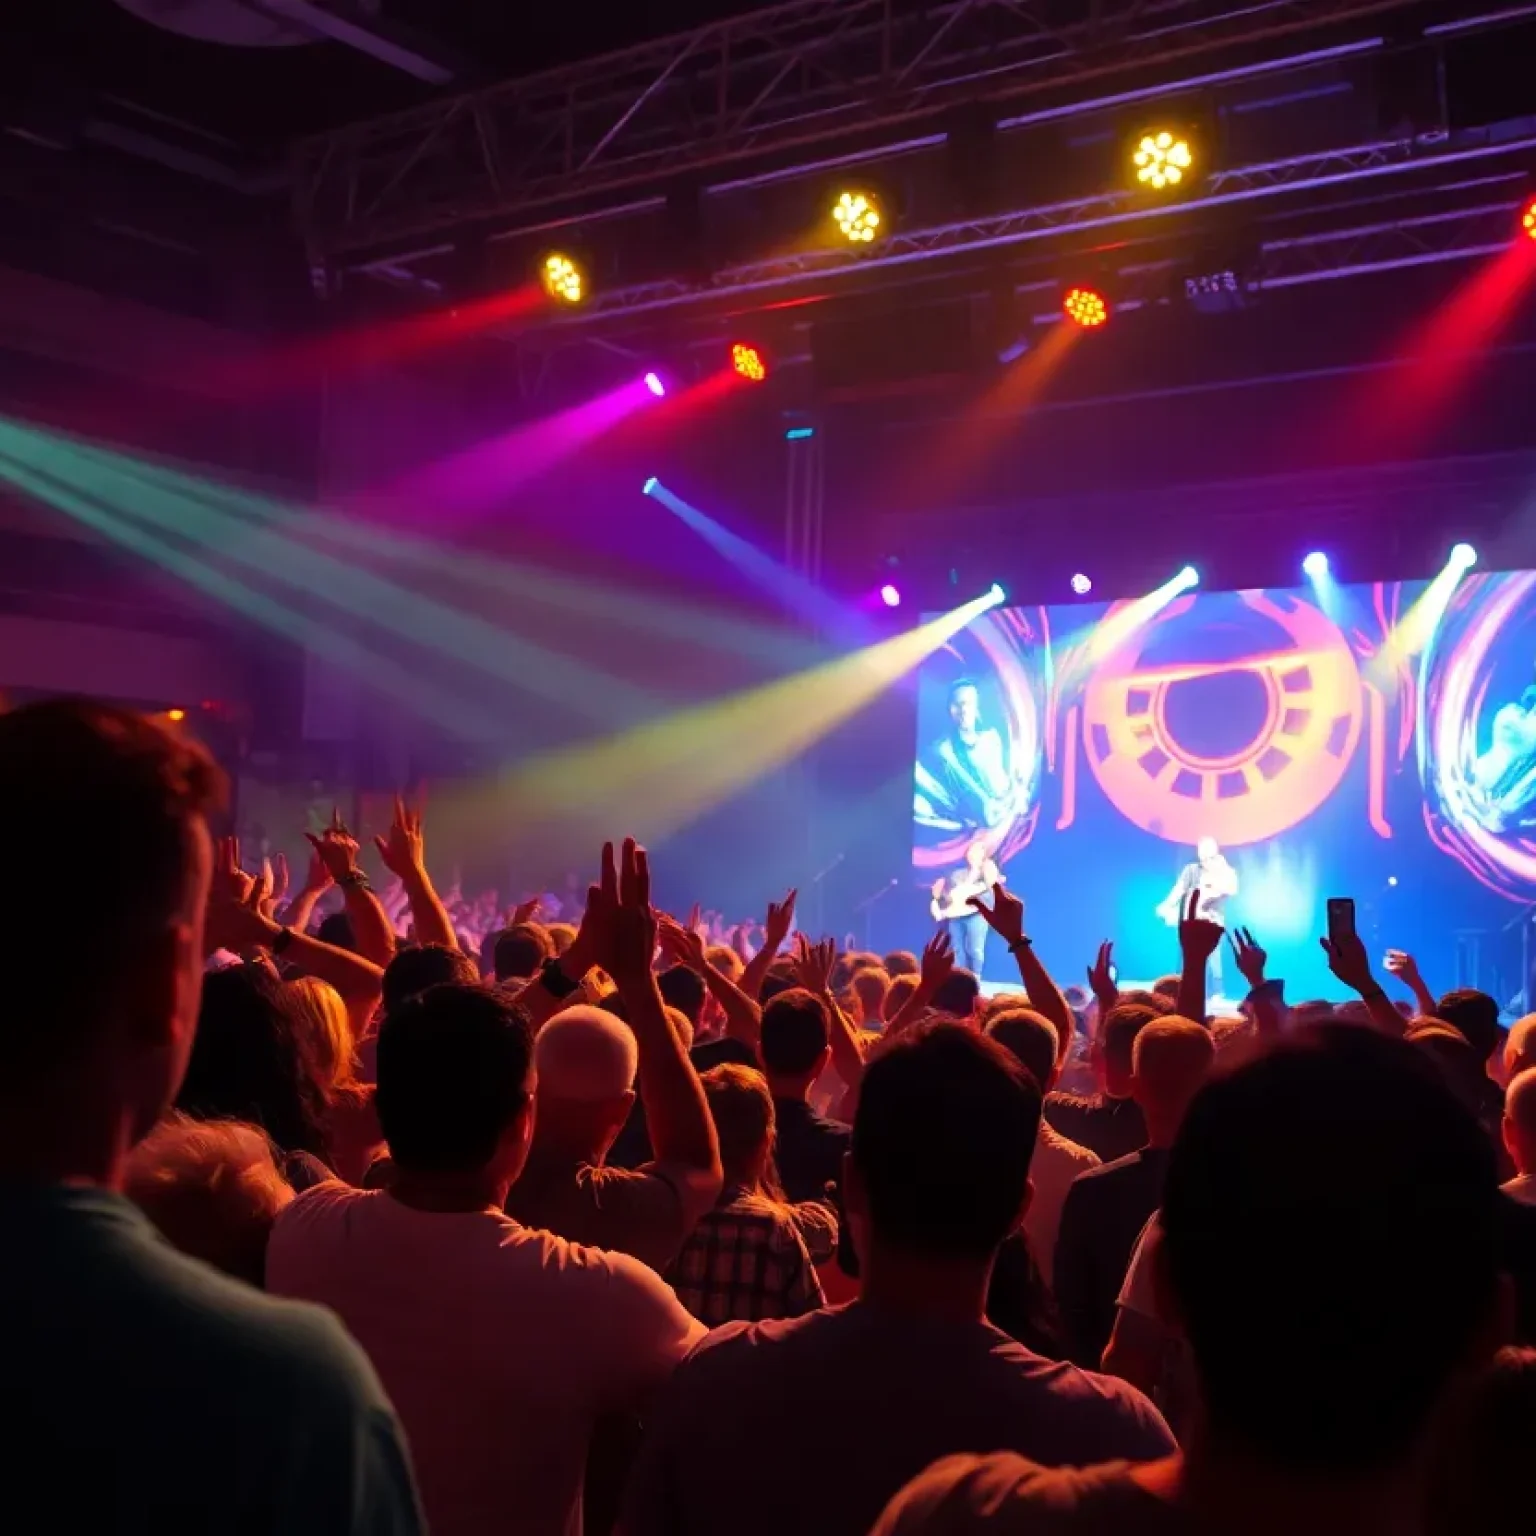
(1375, 741)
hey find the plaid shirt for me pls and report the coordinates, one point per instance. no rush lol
(745, 1261)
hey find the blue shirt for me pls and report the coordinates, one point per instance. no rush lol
(149, 1393)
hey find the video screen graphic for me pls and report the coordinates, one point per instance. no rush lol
(1337, 741)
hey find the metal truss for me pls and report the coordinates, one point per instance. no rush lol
(779, 277)
(810, 72)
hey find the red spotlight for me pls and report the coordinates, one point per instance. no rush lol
(749, 362)
(1085, 306)
(1528, 218)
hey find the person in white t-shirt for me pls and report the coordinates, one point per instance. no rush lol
(1031, 1037)
(1520, 1135)
(500, 1346)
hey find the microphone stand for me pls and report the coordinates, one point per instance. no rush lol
(865, 908)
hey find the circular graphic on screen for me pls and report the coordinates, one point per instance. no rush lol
(1477, 731)
(1235, 732)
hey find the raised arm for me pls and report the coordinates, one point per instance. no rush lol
(813, 970)
(371, 930)
(404, 855)
(1349, 962)
(1406, 969)
(676, 1111)
(1197, 943)
(1267, 998)
(1005, 917)
(683, 946)
(302, 908)
(938, 965)
(781, 917)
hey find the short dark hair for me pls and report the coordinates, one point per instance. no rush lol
(682, 988)
(520, 951)
(337, 929)
(453, 1066)
(427, 965)
(780, 979)
(795, 1031)
(957, 993)
(942, 1139)
(901, 962)
(1030, 1038)
(1303, 1187)
(1476, 1016)
(104, 796)
(1118, 1030)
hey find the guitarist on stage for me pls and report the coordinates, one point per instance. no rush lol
(951, 904)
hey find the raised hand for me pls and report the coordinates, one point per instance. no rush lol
(280, 882)
(402, 850)
(229, 882)
(1405, 968)
(1198, 938)
(1005, 917)
(317, 878)
(619, 930)
(237, 917)
(1348, 961)
(781, 918)
(525, 911)
(937, 965)
(682, 946)
(813, 964)
(336, 848)
(1249, 956)
(1101, 974)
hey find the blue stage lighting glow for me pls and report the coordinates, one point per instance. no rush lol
(799, 434)
(650, 485)
(997, 594)
(1082, 584)
(890, 596)
(1316, 565)
(1464, 557)
(1189, 577)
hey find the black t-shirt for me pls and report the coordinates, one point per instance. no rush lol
(1105, 1210)
(810, 1150)
(1110, 1128)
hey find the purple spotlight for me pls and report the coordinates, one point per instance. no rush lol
(654, 384)
(1082, 585)
(890, 596)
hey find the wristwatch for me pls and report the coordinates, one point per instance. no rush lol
(1022, 942)
(354, 880)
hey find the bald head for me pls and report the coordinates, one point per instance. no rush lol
(585, 1055)
(1520, 1121)
(1170, 1059)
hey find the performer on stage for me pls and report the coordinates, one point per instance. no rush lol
(966, 781)
(1216, 881)
(1504, 777)
(951, 904)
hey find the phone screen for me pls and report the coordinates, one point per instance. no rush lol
(1341, 918)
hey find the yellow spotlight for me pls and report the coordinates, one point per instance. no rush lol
(1162, 160)
(858, 216)
(175, 716)
(563, 279)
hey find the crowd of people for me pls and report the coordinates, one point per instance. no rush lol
(365, 1223)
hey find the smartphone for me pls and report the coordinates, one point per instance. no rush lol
(1341, 919)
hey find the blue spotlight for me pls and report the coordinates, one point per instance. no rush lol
(997, 594)
(1316, 565)
(1463, 557)
(1082, 585)
(890, 595)
(1188, 577)
(650, 485)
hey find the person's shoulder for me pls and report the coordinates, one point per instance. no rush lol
(1005, 1492)
(1115, 1419)
(743, 1346)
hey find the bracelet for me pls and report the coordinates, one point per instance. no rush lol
(354, 880)
(281, 942)
(1022, 942)
(556, 980)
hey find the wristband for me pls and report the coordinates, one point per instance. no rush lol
(1022, 942)
(554, 979)
(1371, 993)
(281, 942)
(354, 880)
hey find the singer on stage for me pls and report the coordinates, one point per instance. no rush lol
(1216, 881)
(951, 904)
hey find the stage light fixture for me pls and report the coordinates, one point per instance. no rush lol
(1082, 585)
(998, 594)
(858, 217)
(890, 596)
(1187, 578)
(175, 716)
(1528, 219)
(1463, 557)
(1162, 159)
(1085, 306)
(563, 278)
(1316, 565)
(749, 361)
(650, 485)
(654, 384)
